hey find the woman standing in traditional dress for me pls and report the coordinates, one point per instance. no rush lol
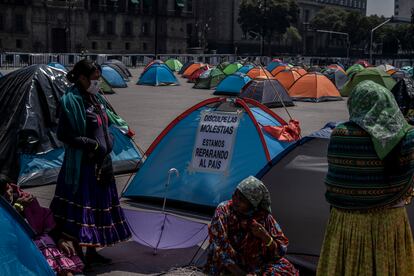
(86, 204)
(244, 236)
(369, 182)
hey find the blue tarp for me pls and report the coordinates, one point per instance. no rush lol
(18, 254)
(158, 74)
(207, 189)
(232, 84)
(245, 69)
(58, 66)
(112, 77)
(43, 168)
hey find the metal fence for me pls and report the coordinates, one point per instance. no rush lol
(13, 59)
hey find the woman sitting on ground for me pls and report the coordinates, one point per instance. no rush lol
(58, 250)
(244, 236)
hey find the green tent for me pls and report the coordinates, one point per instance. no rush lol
(223, 65)
(174, 64)
(105, 87)
(209, 79)
(354, 69)
(232, 68)
(372, 74)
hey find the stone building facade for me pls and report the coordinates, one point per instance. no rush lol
(403, 8)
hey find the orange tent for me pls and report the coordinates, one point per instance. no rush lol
(300, 70)
(287, 77)
(336, 66)
(280, 68)
(191, 69)
(314, 87)
(391, 71)
(259, 73)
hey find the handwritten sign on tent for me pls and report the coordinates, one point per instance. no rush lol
(214, 143)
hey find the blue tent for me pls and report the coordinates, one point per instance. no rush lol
(245, 69)
(273, 65)
(112, 77)
(179, 145)
(232, 84)
(43, 168)
(158, 74)
(58, 66)
(18, 254)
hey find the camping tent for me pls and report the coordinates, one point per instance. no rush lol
(18, 253)
(174, 64)
(192, 68)
(300, 70)
(209, 79)
(273, 65)
(118, 70)
(373, 74)
(158, 74)
(287, 77)
(105, 87)
(30, 153)
(185, 66)
(156, 61)
(354, 69)
(223, 65)
(112, 77)
(197, 73)
(385, 67)
(336, 66)
(259, 72)
(364, 63)
(232, 84)
(314, 87)
(278, 69)
(58, 66)
(268, 92)
(337, 77)
(120, 65)
(232, 68)
(296, 183)
(245, 68)
(213, 145)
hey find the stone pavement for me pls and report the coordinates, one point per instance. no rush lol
(148, 110)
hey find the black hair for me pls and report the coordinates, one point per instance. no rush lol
(84, 67)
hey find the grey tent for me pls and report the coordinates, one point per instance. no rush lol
(121, 65)
(337, 77)
(118, 70)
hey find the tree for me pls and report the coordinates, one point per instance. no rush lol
(267, 17)
(292, 37)
(332, 19)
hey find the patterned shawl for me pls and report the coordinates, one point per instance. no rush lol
(256, 193)
(373, 108)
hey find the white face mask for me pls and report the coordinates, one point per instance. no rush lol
(93, 87)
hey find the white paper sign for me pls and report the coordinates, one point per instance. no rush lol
(214, 143)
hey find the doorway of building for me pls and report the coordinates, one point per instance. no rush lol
(59, 40)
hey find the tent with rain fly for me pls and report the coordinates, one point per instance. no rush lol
(287, 77)
(174, 64)
(278, 69)
(232, 84)
(337, 77)
(58, 66)
(118, 70)
(158, 74)
(268, 92)
(19, 255)
(121, 66)
(373, 74)
(192, 68)
(314, 87)
(185, 66)
(245, 68)
(105, 87)
(354, 69)
(197, 73)
(209, 79)
(232, 68)
(112, 77)
(213, 145)
(296, 184)
(30, 153)
(259, 72)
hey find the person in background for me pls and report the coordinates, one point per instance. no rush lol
(244, 236)
(369, 183)
(61, 252)
(86, 204)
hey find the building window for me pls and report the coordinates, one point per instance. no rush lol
(306, 15)
(1, 22)
(127, 46)
(144, 46)
(109, 45)
(94, 45)
(189, 5)
(94, 26)
(145, 29)
(19, 23)
(128, 28)
(19, 43)
(110, 28)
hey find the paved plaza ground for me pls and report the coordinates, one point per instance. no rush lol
(148, 110)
